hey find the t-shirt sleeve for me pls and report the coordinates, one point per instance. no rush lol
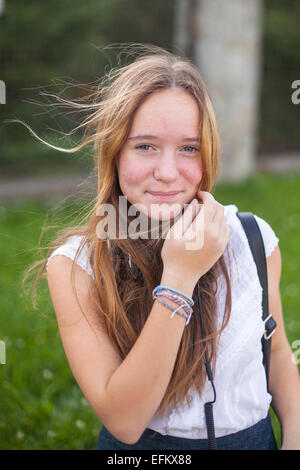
(69, 249)
(269, 237)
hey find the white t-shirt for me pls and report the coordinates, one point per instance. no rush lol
(240, 381)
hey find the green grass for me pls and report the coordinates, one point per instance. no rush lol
(41, 406)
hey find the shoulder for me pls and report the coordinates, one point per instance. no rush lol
(59, 278)
(270, 239)
(75, 249)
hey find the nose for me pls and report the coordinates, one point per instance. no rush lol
(166, 167)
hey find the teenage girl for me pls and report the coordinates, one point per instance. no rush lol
(132, 330)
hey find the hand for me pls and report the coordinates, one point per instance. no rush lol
(197, 239)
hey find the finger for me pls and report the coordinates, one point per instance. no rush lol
(196, 229)
(209, 203)
(186, 219)
(205, 195)
(219, 213)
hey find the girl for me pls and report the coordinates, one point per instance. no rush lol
(127, 306)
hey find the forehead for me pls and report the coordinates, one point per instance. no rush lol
(172, 108)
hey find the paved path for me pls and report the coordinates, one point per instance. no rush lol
(281, 163)
(46, 188)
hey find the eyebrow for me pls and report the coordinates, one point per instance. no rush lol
(147, 136)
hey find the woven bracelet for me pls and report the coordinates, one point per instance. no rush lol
(160, 288)
(174, 310)
(187, 315)
(177, 299)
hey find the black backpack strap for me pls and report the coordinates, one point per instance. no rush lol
(257, 247)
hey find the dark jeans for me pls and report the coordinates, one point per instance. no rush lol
(260, 436)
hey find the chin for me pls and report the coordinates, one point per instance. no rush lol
(164, 214)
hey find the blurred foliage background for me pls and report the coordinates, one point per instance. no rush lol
(279, 118)
(47, 44)
(50, 43)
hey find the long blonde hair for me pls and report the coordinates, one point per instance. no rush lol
(124, 302)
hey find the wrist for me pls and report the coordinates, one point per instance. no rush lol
(171, 279)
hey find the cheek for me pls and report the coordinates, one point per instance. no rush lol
(133, 174)
(193, 173)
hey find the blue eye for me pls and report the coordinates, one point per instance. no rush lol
(142, 147)
(191, 149)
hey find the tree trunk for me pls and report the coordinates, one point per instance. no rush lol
(227, 52)
(1, 7)
(183, 36)
(2, 84)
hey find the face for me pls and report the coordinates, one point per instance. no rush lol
(162, 154)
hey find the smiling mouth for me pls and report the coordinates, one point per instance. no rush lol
(168, 195)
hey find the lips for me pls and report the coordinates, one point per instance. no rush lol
(163, 195)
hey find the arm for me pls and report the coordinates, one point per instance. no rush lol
(284, 382)
(124, 394)
(137, 387)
